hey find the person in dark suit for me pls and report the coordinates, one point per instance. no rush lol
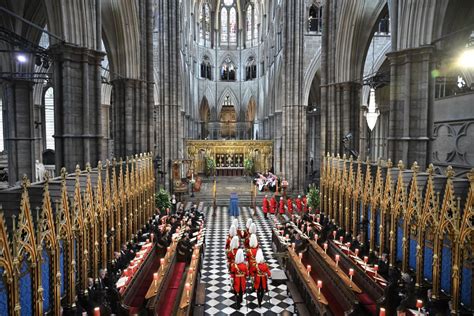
(383, 266)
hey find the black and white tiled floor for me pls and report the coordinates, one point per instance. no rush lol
(219, 298)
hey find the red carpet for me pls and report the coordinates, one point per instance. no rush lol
(172, 291)
(137, 300)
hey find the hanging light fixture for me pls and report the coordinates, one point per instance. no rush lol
(372, 112)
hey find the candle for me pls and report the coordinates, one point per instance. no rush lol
(351, 273)
(320, 285)
(316, 236)
(366, 259)
(348, 245)
(334, 234)
(308, 267)
(97, 311)
(356, 252)
(419, 305)
(301, 256)
(337, 257)
(382, 311)
(341, 239)
(188, 288)
(152, 236)
(293, 245)
(155, 278)
(162, 263)
(376, 268)
(325, 247)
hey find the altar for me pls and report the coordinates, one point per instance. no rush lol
(230, 156)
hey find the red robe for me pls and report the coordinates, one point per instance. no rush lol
(262, 272)
(239, 272)
(290, 206)
(227, 242)
(305, 204)
(242, 233)
(298, 205)
(265, 205)
(282, 206)
(231, 255)
(251, 254)
(273, 205)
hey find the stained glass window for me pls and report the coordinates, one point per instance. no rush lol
(233, 25)
(205, 24)
(249, 23)
(224, 30)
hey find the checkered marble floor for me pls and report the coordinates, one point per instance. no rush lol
(219, 298)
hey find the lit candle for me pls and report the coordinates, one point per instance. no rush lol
(316, 236)
(419, 305)
(334, 234)
(320, 285)
(341, 239)
(356, 252)
(301, 256)
(376, 268)
(155, 278)
(325, 247)
(382, 311)
(337, 257)
(152, 236)
(188, 288)
(293, 245)
(162, 263)
(366, 259)
(348, 245)
(97, 311)
(308, 268)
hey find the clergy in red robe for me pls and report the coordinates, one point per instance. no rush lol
(305, 204)
(265, 206)
(262, 273)
(252, 252)
(299, 206)
(282, 206)
(232, 233)
(273, 205)
(232, 252)
(239, 273)
(289, 202)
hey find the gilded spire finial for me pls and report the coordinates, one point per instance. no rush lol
(389, 163)
(88, 167)
(63, 173)
(415, 168)
(99, 165)
(25, 182)
(401, 166)
(78, 170)
(450, 172)
(430, 169)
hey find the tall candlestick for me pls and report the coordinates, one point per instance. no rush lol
(351, 273)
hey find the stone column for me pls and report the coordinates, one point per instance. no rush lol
(411, 96)
(131, 121)
(79, 137)
(19, 128)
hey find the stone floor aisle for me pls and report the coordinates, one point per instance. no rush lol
(219, 298)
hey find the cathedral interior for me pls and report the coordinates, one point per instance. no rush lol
(236, 157)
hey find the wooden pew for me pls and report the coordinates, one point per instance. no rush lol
(186, 303)
(140, 277)
(361, 278)
(306, 285)
(156, 291)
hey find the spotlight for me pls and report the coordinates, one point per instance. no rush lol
(38, 60)
(21, 58)
(466, 59)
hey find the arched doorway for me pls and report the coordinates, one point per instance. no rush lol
(204, 116)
